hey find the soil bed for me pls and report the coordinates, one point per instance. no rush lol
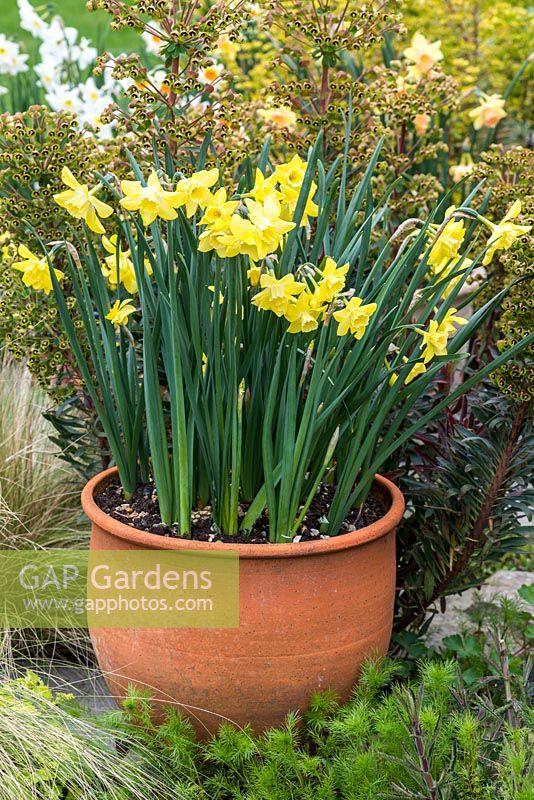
(142, 512)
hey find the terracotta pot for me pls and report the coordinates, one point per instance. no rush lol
(310, 613)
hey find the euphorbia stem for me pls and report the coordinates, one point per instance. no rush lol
(325, 90)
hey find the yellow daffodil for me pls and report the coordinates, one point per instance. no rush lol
(448, 266)
(302, 315)
(151, 200)
(489, 113)
(264, 187)
(354, 317)
(81, 203)
(423, 55)
(505, 233)
(332, 282)
(35, 270)
(268, 224)
(435, 338)
(292, 173)
(281, 116)
(276, 293)
(194, 192)
(434, 341)
(418, 369)
(241, 238)
(450, 321)
(213, 239)
(254, 275)
(230, 237)
(120, 311)
(218, 210)
(290, 197)
(449, 241)
(119, 268)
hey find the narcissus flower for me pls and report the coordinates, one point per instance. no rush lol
(268, 225)
(151, 201)
(254, 275)
(418, 369)
(434, 341)
(292, 173)
(219, 239)
(264, 187)
(450, 321)
(81, 203)
(331, 283)
(290, 176)
(118, 266)
(505, 233)
(423, 55)
(435, 338)
(210, 73)
(277, 293)
(120, 311)
(448, 242)
(447, 267)
(489, 113)
(354, 317)
(35, 270)
(239, 239)
(217, 209)
(302, 315)
(290, 198)
(194, 192)
(281, 116)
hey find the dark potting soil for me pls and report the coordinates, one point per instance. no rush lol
(142, 512)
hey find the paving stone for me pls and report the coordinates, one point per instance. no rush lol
(86, 683)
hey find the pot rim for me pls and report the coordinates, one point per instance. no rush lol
(152, 541)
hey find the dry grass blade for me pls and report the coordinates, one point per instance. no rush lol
(39, 502)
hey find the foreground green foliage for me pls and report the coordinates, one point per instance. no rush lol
(49, 751)
(457, 727)
(430, 738)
